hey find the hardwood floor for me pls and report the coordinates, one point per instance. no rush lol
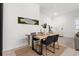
(66, 49)
(27, 51)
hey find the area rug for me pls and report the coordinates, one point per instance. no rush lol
(27, 51)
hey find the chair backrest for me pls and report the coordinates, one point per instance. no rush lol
(33, 34)
(49, 40)
(56, 38)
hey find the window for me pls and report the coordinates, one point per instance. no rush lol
(76, 25)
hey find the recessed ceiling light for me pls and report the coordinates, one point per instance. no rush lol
(55, 13)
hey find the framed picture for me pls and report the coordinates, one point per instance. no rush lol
(23, 20)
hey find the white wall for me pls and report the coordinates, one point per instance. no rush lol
(67, 21)
(14, 33)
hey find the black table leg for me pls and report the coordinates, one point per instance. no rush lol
(32, 44)
(40, 52)
(41, 47)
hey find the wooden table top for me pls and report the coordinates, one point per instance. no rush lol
(43, 36)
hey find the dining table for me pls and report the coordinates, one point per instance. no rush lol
(41, 37)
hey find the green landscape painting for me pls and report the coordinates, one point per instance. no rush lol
(23, 20)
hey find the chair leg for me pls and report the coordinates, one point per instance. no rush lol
(36, 45)
(28, 40)
(58, 45)
(46, 50)
(54, 47)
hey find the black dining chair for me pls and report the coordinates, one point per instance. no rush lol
(33, 34)
(55, 40)
(48, 41)
(35, 40)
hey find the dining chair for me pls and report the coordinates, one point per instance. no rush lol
(35, 40)
(48, 41)
(29, 36)
(33, 34)
(55, 40)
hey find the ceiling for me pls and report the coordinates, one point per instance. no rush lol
(53, 9)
